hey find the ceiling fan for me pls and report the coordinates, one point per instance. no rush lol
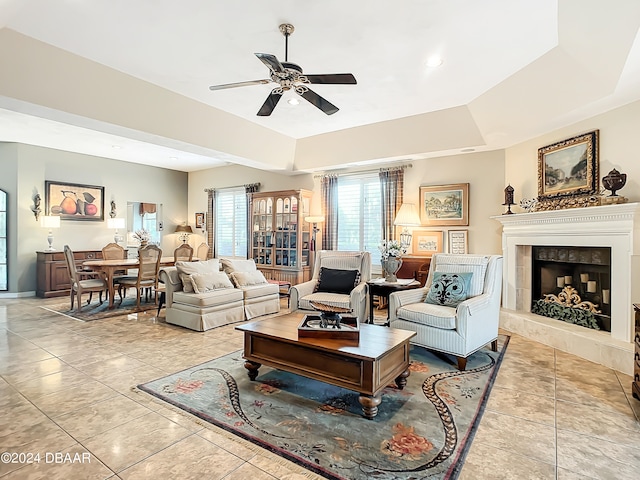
(289, 76)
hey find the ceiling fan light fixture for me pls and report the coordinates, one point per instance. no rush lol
(434, 61)
(293, 101)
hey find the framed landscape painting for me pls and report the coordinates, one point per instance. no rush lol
(445, 205)
(72, 201)
(426, 242)
(569, 167)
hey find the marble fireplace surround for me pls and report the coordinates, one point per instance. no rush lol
(614, 226)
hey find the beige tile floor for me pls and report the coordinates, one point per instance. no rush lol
(65, 386)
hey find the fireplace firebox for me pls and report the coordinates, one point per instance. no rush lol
(572, 284)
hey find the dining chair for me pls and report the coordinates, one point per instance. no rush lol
(148, 267)
(184, 253)
(113, 251)
(80, 285)
(203, 251)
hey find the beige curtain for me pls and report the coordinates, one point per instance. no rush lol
(250, 189)
(329, 192)
(211, 220)
(392, 189)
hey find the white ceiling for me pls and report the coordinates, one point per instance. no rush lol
(186, 46)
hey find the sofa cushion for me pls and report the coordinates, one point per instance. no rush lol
(209, 299)
(449, 289)
(467, 263)
(244, 279)
(205, 282)
(333, 280)
(262, 290)
(188, 268)
(427, 314)
(234, 265)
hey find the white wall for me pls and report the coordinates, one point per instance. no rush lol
(122, 181)
(618, 149)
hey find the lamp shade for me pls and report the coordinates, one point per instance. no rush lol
(314, 219)
(116, 223)
(50, 221)
(407, 216)
(184, 229)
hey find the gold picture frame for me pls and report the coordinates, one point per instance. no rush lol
(427, 242)
(445, 205)
(74, 201)
(569, 168)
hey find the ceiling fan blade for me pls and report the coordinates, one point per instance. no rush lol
(270, 103)
(333, 78)
(312, 97)
(271, 61)
(238, 84)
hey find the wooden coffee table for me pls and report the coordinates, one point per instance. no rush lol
(366, 366)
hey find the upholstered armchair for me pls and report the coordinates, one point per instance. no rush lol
(301, 295)
(456, 312)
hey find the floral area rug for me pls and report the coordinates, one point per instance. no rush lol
(422, 431)
(99, 311)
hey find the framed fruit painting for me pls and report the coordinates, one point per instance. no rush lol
(72, 201)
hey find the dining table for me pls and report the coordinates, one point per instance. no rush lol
(109, 267)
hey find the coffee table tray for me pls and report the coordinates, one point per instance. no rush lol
(312, 325)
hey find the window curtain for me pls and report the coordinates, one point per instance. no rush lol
(211, 220)
(250, 189)
(329, 192)
(392, 190)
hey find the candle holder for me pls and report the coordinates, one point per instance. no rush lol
(508, 199)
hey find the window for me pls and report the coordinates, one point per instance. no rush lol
(359, 214)
(231, 223)
(3, 241)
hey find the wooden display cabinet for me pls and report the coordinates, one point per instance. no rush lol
(52, 273)
(281, 239)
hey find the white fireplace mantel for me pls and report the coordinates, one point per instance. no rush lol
(615, 226)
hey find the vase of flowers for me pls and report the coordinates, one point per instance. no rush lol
(143, 236)
(391, 252)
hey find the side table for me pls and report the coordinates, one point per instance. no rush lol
(384, 289)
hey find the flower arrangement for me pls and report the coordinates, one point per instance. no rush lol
(392, 248)
(142, 235)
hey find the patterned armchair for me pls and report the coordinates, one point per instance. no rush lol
(457, 330)
(303, 294)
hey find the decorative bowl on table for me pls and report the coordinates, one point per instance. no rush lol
(330, 322)
(330, 315)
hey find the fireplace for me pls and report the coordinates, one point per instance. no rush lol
(612, 228)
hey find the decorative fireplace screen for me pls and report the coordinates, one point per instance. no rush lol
(573, 284)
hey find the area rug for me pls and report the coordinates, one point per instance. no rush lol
(99, 311)
(422, 431)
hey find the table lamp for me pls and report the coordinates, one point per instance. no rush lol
(50, 222)
(407, 216)
(183, 232)
(115, 224)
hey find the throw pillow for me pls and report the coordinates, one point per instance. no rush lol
(332, 280)
(245, 279)
(449, 289)
(206, 282)
(234, 265)
(185, 269)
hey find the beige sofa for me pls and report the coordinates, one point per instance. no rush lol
(217, 301)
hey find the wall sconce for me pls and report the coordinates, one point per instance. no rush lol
(36, 206)
(183, 232)
(407, 216)
(113, 213)
(50, 222)
(115, 224)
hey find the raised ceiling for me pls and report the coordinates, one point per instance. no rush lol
(511, 70)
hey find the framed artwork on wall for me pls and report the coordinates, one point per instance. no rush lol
(74, 201)
(445, 205)
(458, 241)
(569, 168)
(427, 242)
(200, 220)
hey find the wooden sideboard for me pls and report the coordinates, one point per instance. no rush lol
(52, 274)
(635, 386)
(415, 267)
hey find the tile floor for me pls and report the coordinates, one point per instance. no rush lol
(65, 389)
